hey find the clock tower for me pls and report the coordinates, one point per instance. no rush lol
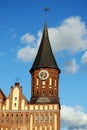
(45, 78)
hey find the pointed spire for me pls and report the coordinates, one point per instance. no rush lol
(45, 32)
(45, 57)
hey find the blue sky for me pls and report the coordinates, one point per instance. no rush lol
(21, 26)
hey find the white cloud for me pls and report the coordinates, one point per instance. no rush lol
(73, 118)
(27, 38)
(71, 35)
(26, 54)
(71, 66)
(84, 58)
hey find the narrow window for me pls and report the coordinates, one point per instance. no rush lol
(50, 81)
(16, 118)
(46, 118)
(26, 118)
(50, 118)
(51, 92)
(11, 118)
(2, 118)
(41, 118)
(21, 118)
(43, 82)
(36, 118)
(15, 98)
(7, 118)
(37, 92)
(15, 104)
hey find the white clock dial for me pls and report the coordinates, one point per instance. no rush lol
(43, 74)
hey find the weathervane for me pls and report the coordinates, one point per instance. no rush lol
(46, 9)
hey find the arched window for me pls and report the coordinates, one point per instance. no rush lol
(37, 91)
(43, 82)
(51, 92)
(26, 118)
(7, 118)
(2, 120)
(16, 118)
(43, 91)
(41, 118)
(36, 118)
(11, 118)
(46, 117)
(21, 118)
(50, 118)
(50, 81)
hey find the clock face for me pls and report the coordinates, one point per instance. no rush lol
(43, 74)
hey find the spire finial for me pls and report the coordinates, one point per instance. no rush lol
(17, 79)
(46, 9)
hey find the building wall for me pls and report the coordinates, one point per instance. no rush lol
(16, 113)
(49, 86)
(37, 117)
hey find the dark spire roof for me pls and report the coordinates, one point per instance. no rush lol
(45, 57)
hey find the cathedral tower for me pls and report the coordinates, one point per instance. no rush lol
(45, 77)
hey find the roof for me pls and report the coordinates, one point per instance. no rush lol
(2, 95)
(44, 57)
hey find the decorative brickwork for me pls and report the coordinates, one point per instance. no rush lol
(45, 89)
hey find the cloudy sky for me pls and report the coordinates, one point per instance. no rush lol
(21, 26)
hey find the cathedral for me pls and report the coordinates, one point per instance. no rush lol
(42, 111)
